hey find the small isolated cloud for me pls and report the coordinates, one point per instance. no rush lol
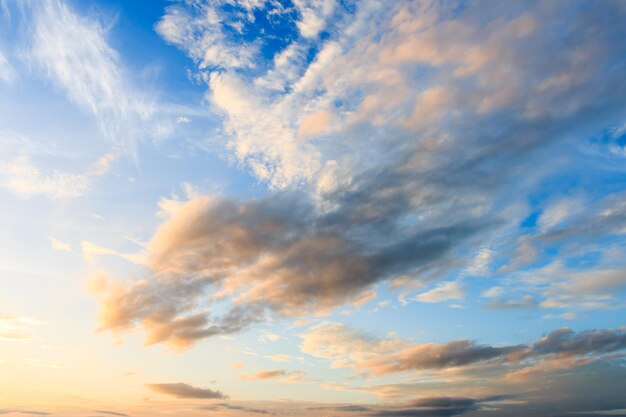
(182, 390)
(234, 407)
(341, 408)
(182, 120)
(22, 411)
(443, 292)
(269, 337)
(18, 329)
(282, 374)
(111, 413)
(91, 250)
(278, 357)
(58, 245)
(527, 301)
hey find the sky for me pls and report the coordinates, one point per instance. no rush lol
(316, 208)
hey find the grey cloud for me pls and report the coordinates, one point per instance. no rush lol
(434, 356)
(111, 413)
(342, 408)
(433, 406)
(560, 349)
(233, 407)
(566, 342)
(15, 410)
(527, 301)
(182, 390)
(275, 254)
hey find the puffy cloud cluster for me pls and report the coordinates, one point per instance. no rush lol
(403, 131)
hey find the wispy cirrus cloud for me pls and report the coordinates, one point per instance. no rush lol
(18, 329)
(73, 51)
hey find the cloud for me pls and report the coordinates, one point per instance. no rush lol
(439, 356)
(91, 250)
(284, 375)
(424, 138)
(346, 347)
(7, 72)
(443, 292)
(23, 178)
(18, 329)
(278, 358)
(234, 407)
(201, 33)
(73, 51)
(20, 411)
(268, 254)
(181, 390)
(58, 245)
(313, 16)
(565, 342)
(111, 413)
(527, 301)
(341, 408)
(434, 406)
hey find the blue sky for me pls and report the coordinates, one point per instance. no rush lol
(241, 207)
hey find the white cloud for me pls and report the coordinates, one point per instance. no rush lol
(446, 291)
(558, 212)
(91, 250)
(313, 15)
(493, 292)
(25, 179)
(278, 358)
(480, 263)
(58, 245)
(203, 38)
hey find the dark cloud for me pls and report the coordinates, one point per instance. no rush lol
(15, 410)
(181, 390)
(342, 408)
(566, 342)
(437, 356)
(233, 407)
(560, 349)
(434, 406)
